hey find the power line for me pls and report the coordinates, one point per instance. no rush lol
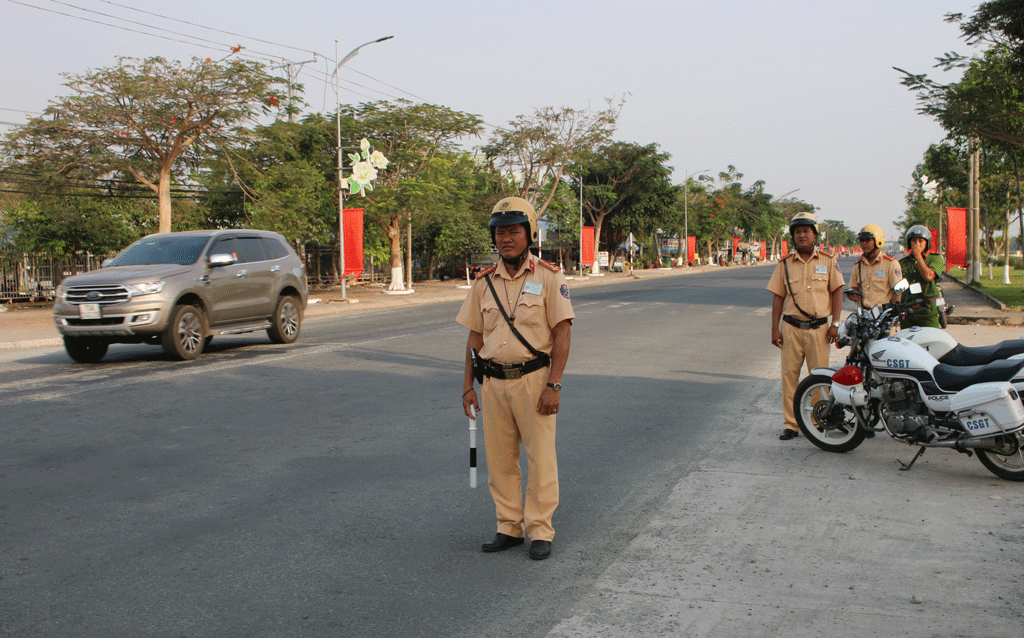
(150, 26)
(193, 24)
(198, 40)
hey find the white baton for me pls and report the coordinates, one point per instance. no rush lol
(472, 447)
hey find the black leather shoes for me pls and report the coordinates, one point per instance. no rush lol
(501, 542)
(788, 434)
(539, 550)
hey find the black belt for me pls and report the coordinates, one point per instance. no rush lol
(513, 370)
(805, 325)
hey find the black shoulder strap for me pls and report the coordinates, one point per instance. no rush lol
(533, 351)
(790, 286)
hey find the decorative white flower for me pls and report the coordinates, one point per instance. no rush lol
(363, 174)
(378, 160)
(364, 145)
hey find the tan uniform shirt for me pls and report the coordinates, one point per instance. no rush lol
(537, 296)
(811, 281)
(875, 279)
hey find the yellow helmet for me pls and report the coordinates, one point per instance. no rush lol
(511, 211)
(873, 231)
(804, 219)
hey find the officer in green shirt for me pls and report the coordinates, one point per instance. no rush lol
(925, 269)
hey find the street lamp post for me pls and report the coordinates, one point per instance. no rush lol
(581, 226)
(685, 243)
(341, 192)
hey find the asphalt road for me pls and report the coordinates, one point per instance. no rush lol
(322, 488)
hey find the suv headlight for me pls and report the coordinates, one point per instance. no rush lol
(147, 288)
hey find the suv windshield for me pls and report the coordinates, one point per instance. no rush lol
(161, 250)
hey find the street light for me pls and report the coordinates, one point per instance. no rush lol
(337, 121)
(686, 215)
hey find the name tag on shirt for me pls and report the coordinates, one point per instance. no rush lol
(880, 274)
(533, 288)
(821, 270)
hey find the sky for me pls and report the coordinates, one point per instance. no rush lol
(799, 94)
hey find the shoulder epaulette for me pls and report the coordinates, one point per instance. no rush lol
(860, 259)
(548, 265)
(826, 251)
(888, 256)
(486, 271)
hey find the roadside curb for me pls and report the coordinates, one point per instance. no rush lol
(984, 295)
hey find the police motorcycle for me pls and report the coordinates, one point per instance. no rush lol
(893, 385)
(941, 345)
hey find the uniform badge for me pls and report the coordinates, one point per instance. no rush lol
(898, 273)
(564, 290)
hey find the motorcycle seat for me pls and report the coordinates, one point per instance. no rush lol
(956, 378)
(962, 355)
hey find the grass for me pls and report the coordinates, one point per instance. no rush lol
(1011, 294)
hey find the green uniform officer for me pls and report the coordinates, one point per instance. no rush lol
(925, 269)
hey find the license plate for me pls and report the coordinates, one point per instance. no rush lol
(89, 311)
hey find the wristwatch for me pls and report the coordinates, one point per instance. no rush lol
(557, 387)
(835, 324)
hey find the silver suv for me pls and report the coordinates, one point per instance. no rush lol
(179, 290)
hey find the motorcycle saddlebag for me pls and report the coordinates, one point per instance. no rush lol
(986, 409)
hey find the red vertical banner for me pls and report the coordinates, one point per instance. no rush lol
(353, 225)
(935, 241)
(764, 252)
(588, 246)
(735, 245)
(691, 249)
(956, 237)
(785, 248)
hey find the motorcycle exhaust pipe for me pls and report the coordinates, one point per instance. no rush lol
(962, 445)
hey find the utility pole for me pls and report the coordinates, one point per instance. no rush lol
(293, 75)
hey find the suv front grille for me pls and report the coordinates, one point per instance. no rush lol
(104, 294)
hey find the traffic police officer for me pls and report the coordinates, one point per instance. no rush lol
(875, 273)
(806, 287)
(922, 268)
(519, 317)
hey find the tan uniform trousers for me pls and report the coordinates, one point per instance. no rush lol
(510, 417)
(799, 345)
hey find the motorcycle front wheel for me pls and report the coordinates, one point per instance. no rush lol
(832, 430)
(1010, 465)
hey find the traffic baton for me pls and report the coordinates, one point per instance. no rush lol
(472, 447)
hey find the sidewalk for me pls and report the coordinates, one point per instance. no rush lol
(31, 325)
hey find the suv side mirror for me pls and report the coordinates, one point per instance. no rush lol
(106, 262)
(221, 259)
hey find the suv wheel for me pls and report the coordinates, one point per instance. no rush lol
(185, 334)
(287, 321)
(85, 349)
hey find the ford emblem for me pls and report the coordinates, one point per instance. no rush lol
(93, 296)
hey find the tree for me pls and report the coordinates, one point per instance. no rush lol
(626, 180)
(65, 226)
(145, 119)
(415, 139)
(462, 234)
(534, 151)
(717, 214)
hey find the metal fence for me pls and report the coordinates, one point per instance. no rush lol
(35, 276)
(28, 277)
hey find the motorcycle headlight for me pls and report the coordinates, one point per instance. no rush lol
(147, 288)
